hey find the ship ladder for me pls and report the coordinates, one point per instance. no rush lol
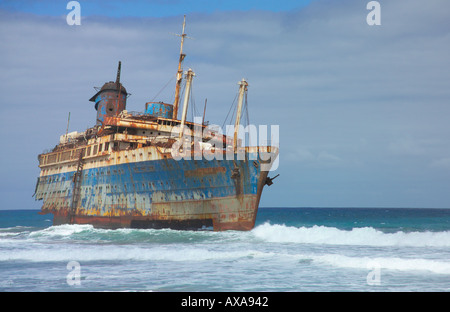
(76, 187)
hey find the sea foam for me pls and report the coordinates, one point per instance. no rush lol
(384, 263)
(366, 236)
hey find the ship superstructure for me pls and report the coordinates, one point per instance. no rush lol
(153, 170)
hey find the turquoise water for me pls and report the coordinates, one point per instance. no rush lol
(290, 249)
(386, 220)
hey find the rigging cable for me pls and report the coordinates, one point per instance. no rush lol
(231, 118)
(163, 88)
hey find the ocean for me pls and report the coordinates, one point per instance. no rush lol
(289, 250)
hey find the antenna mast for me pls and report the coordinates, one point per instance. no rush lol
(68, 121)
(179, 73)
(118, 73)
(242, 90)
(189, 76)
(118, 87)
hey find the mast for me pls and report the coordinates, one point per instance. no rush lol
(179, 73)
(242, 89)
(187, 92)
(204, 111)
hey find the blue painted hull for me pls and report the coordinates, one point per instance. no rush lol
(165, 193)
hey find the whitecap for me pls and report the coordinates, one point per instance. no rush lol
(366, 236)
(388, 263)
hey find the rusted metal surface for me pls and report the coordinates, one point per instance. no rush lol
(123, 173)
(132, 180)
(159, 109)
(111, 99)
(122, 187)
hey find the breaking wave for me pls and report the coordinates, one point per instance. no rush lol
(272, 233)
(388, 263)
(120, 253)
(367, 236)
(84, 243)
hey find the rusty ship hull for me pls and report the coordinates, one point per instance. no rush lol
(191, 194)
(123, 172)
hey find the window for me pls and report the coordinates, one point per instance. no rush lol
(100, 146)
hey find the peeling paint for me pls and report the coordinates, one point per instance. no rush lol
(121, 172)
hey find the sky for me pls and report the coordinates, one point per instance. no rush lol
(363, 110)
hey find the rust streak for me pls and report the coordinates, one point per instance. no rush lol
(204, 171)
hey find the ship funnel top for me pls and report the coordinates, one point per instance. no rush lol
(111, 85)
(111, 99)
